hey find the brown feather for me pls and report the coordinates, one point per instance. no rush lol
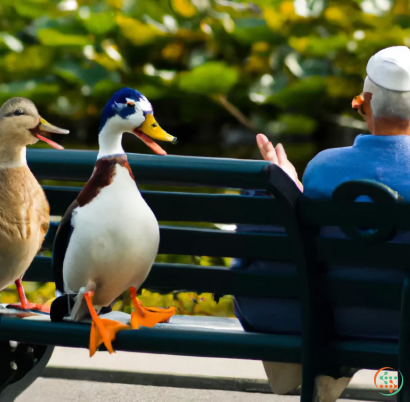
(24, 221)
(23, 205)
(102, 176)
(24, 210)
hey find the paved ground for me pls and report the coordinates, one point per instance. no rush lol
(47, 390)
(156, 363)
(72, 376)
(176, 365)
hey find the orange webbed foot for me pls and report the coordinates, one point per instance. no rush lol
(148, 316)
(103, 330)
(24, 303)
(32, 307)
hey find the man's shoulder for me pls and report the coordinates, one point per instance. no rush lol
(327, 170)
(331, 157)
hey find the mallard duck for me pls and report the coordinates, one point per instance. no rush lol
(24, 210)
(108, 239)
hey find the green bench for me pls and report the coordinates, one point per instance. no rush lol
(318, 349)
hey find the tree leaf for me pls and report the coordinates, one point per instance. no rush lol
(52, 37)
(89, 74)
(308, 93)
(211, 78)
(37, 91)
(33, 58)
(250, 30)
(100, 23)
(137, 32)
(185, 8)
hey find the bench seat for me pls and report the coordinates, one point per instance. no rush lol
(319, 346)
(188, 337)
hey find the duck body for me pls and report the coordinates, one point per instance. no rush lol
(115, 235)
(24, 222)
(108, 239)
(24, 210)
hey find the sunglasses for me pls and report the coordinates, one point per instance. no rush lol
(357, 104)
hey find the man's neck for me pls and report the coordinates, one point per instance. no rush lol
(389, 127)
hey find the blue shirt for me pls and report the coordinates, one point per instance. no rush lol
(385, 159)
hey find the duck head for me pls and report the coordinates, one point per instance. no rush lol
(21, 125)
(128, 111)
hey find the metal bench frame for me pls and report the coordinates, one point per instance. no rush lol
(318, 348)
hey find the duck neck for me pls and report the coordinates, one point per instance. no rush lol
(13, 157)
(109, 142)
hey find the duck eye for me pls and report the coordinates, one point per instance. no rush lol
(18, 112)
(130, 104)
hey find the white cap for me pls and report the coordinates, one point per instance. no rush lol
(390, 68)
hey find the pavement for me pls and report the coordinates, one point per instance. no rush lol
(51, 390)
(72, 376)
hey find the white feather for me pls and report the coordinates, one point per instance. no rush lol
(114, 242)
(12, 160)
(145, 105)
(110, 137)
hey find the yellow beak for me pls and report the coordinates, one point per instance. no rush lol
(151, 128)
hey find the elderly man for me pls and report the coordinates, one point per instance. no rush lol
(383, 156)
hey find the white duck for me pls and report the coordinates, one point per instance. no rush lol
(108, 239)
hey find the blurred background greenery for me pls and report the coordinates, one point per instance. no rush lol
(216, 71)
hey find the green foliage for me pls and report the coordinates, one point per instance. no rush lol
(260, 61)
(209, 79)
(216, 71)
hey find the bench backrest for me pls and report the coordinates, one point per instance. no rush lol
(301, 217)
(77, 166)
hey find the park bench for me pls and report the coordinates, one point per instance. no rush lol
(318, 347)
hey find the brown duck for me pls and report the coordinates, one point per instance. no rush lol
(24, 210)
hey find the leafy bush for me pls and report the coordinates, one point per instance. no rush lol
(216, 71)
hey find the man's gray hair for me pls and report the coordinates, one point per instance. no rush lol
(387, 103)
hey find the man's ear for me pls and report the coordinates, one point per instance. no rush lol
(367, 96)
(366, 106)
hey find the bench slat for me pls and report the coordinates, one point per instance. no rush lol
(73, 165)
(351, 252)
(183, 277)
(223, 344)
(188, 207)
(228, 344)
(214, 243)
(218, 243)
(362, 214)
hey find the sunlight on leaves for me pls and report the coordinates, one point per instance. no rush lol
(185, 8)
(210, 78)
(52, 37)
(137, 32)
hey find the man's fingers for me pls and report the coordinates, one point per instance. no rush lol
(261, 140)
(278, 157)
(281, 154)
(270, 153)
(266, 148)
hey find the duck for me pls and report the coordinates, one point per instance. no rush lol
(108, 238)
(24, 210)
